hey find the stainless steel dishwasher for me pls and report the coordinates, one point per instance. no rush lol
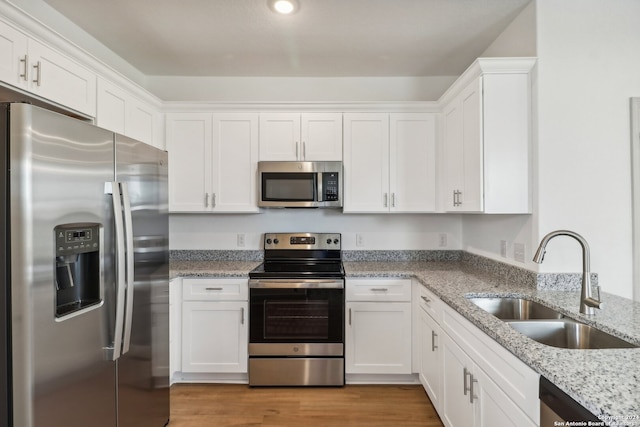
(557, 408)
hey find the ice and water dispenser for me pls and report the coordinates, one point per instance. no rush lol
(78, 272)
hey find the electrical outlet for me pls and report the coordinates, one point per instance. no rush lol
(518, 252)
(359, 240)
(240, 240)
(503, 248)
(443, 240)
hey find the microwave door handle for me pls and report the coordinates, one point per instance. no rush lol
(113, 189)
(320, 195)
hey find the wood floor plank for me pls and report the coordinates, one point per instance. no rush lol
(222, 405)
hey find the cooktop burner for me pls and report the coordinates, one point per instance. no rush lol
(309, 255)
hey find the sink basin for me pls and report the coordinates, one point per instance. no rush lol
(515, 308)
(567, 333)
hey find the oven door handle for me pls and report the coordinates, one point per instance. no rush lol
(293, 284)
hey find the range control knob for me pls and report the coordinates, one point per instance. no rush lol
(268, 241)
(336, 241)
(276, 241)
(328, 241)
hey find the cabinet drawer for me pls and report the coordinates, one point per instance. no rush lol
(378, 290)
(430, 303)
(215, 290)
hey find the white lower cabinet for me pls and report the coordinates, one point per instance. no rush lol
(378, 330)
(430, 359)
(214, 325)
(483, 384)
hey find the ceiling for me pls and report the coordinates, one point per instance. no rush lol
(324, 38)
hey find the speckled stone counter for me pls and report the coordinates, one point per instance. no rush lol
(606, 382)
(182, 268)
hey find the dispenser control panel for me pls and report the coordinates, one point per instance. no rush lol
(77, 238)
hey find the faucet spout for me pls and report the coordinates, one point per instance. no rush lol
(587, 302)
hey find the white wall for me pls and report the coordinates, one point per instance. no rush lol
(299, 89)
(379, 232)
(589, 67)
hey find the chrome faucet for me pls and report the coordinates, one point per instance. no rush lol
(588, 304)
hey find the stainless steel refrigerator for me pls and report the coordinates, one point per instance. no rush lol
(84, 325)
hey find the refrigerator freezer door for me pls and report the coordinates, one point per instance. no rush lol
(61, 374)
(143, 370)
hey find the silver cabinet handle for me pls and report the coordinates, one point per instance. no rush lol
(465, 373)
(206, 200)
(304, 150)
(213, 200)
(349, 317)
(379, 289)
(38, 68)
(297, 150)
(242, 315)
(393, 200)
(212, 289)
(425, 299)
(433, 341)
(471, 392)
(128, 229)
(25, 68)
(386, 200)
(456, 198)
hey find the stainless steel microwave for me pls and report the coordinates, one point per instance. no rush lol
(300, 184)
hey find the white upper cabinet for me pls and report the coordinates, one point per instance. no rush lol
(14, 65)
(121, 112)
(31, 66)
(389, 162)
(212, 162)
(301, 137)
(487, 138)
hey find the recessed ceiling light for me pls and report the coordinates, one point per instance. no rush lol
(284, 7)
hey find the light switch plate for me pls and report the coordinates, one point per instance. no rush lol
(518, 252)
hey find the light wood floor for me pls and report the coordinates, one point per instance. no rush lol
(202, 405)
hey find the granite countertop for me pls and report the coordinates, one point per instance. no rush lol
(606, 382)
(203, 268)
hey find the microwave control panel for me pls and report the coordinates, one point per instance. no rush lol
(330, 190)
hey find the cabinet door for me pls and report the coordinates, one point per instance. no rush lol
(457, 410)
(214, 336)
(141, 122)
(14, 64)
(366, 162)
(493, 407)
(61, 80)
(378, 338)
(472, 156)
(189, 146)
(235, 162)
(280, 136)
(321, 137)
(412, 162)
(112, 107)
(430, 369)
(463, 150)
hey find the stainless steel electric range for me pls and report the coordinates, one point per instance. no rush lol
(296, 312)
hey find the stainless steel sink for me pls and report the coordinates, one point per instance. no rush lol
(567, 333)
(515, 308)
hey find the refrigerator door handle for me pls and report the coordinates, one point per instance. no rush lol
(114, 189)
(128, 228)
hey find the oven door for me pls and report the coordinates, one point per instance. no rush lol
(296, 318)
